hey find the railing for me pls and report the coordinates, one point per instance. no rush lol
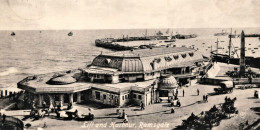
(246, 80)
(13, 122)
(61, 89)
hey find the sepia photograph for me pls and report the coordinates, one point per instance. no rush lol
(129, 65)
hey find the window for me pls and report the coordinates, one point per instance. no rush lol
(183, 55)
(123, 98)
(191, 54)
(116, 99)
(139, 97)
(112, 97)
(176, 57)
(98, 95)
(104, 96)
(168, 58)
(134, 96)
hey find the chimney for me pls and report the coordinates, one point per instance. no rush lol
(242, 55)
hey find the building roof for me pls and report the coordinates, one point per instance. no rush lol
(147, 60)
(149, 52)
(167, 82)
(62, 80)
(38, 84)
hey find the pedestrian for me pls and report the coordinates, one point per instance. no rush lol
(172, 110)
(206, 97)
(4, 117)
(198, 92)
(123, 114)
(250, 79)
(177, 92)
(178, 103)
(125, 119)
(44, 125)
(44, 104)
(183, 92)
(91, 114)
(142, 105)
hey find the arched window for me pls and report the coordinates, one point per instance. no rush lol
(176, 57)
(191, 54)
(167, 58)
(183, 55)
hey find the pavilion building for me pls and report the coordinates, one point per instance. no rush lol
(119, 78)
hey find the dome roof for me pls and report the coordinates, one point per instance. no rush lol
(62, 80)
(167, 82)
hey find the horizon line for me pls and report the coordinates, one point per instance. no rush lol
(129, 28)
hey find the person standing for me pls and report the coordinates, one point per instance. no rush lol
(198, 92)
(4, 117)
(177, 92)
(172, 110)
(142, 105)
(123, 114)
(125, 119)
(183, 92)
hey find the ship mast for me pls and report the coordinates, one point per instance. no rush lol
(217, 47)
(229, 46)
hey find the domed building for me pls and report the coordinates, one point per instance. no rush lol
(62, 80)
(166, 86)
(120, 77)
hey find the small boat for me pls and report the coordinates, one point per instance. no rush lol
(70, 33)
(12, 34)
(256, 48)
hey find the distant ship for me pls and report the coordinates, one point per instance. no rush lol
(12, 34)
(152, 40)
(182, 36)
(70, 33)
(221, 34)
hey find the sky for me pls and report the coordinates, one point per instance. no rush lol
(127, 14)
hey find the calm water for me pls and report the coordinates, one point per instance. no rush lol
(32, 52)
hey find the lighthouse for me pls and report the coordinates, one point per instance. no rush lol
(242, 55)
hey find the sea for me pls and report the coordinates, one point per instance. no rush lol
(32, 52)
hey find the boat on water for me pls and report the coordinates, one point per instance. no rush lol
(129, 43)
(70, 33)
(223, 33)
(12, 34)
(182, 36)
